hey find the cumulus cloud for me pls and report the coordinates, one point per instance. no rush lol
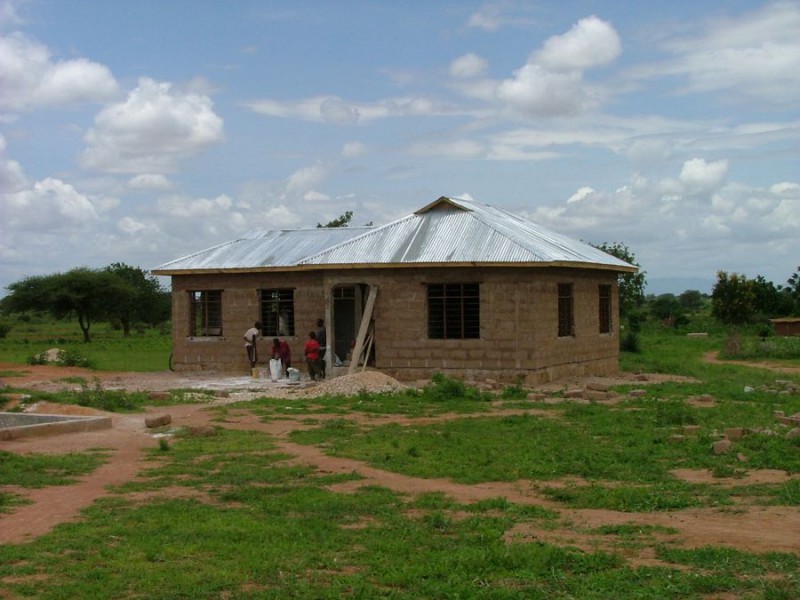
(693, 223)
(551, 82)
(697, 174)
(49, 205)
(591, 42)
(12, 178)
(157, 126)
(31, 79)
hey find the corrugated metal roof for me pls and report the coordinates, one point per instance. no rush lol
(263, 248)
(445, 231)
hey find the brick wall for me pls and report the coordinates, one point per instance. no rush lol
(518, 321)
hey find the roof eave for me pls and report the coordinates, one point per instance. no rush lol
(410, 265)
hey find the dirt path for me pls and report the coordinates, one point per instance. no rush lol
(753, 528)
(713, 358)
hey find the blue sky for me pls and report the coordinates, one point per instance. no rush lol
(139, 132)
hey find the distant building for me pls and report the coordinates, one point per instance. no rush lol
(786, 326)
(457, 287)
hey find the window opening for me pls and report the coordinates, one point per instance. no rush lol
(604, 297)
(566, 324)
(205, 313)
(277, 312)
(454, 311)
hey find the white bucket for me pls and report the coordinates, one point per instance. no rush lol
(294, 375)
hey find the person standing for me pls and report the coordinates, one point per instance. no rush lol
(281, 351)
(322, 338)
(251, 343)
(312, 355)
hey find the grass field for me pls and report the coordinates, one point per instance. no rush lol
(259, 527)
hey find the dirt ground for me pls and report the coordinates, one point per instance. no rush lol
(747, 526)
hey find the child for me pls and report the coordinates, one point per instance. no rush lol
(312, 355)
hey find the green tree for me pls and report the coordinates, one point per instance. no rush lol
(340, 221)
(631, 285)
(733, 299)
(770, 301)
(85, 294)
(147, 303)
(793, 290)
(691, 300)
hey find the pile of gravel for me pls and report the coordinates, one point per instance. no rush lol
(371, 382)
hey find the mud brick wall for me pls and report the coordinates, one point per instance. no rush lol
(240, 309)
(518, 321)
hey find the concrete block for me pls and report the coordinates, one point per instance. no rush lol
(735, 433)
(722, 446)
(159, 421)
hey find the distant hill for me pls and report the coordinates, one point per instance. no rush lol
(678, 285)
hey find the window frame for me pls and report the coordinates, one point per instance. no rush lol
(272, 303)
(566, 310)
(207, 305)
(453, 310)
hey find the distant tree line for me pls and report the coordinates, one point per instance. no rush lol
(117, 293)
(737, 300)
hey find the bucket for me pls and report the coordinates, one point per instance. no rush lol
(294, 375)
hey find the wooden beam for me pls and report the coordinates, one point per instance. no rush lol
(363, 329)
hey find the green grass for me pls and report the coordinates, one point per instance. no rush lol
(144, 350)
(251, 524)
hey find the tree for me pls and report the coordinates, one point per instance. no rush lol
(691, 300)
(733, 299)
(83, 293)
(89, 295)
(340, 221)
(631, 285)
(793, 289)
(147, 302)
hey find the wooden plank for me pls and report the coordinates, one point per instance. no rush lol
(363, 329)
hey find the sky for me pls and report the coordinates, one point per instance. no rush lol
(139, 132)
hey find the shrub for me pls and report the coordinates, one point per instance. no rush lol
(442, 387)
(72, 358)
(629, 342)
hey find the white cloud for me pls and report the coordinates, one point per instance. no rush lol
(551, 82)
(155, 128)
(332, 109)
(31, 80)
(697, 174)
(756, 55)
(537, 91)
(353, 149)
(12, 178)
(49, 206)
(305, 180)
(590, 43)
(582, 193)
(694, 224)
(486, 19)
(313, 196)
(468, 66)
(149, 182)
